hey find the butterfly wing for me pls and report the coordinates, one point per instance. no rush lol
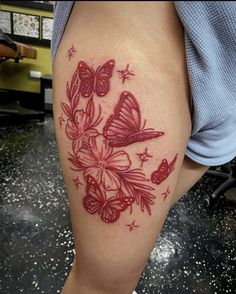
(94, 199)
(103, 75)
(144, 135)
(87, 78)
(125, 122)
(124, 127)
(161, 173)
(111, 210)
(172, 163)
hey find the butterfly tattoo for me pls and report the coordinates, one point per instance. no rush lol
(96, 201)
(124, 126)
(95, 81)
(163, 170)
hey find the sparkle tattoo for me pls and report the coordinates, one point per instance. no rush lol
(71, 52)
(144, 156)
(61, 120)
(125, 73)
(112, 185)
(77, 182)
(132, 226)
(166, 193)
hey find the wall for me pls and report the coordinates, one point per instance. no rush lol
(15, 76)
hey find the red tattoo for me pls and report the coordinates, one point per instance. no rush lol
(134, 183)
(144, 156)
(61, 120)
(71, 52)
(166, 193)
(112, 186)
(125, 73)
(124, 127)
(81, 126)
(132, 226)
(95, 81)
(163, 170)
(96, 201)
(98, 160)
(77, 182)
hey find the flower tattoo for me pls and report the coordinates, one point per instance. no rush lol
(98, 155)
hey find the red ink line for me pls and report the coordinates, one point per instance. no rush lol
(71, 52)
(144, 156)
(127, 114)
(125, 73)
(163, 170)
(95, 81)
(111, 185)
(166, 193)
(96, 201)
(132, 226)
(77, 182)
(61, 120)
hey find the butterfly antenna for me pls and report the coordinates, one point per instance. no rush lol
(131, 209)
(144, 124)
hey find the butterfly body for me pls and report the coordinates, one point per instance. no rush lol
(92, 81)
(163, 171)
(124, 126)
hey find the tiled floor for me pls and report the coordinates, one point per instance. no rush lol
(195, 254)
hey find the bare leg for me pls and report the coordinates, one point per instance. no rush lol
(122, 140)
(190, 173)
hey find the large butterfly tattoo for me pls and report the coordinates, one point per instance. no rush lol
(95, 81)
(95, 201)
(163, 170)
(124, 126)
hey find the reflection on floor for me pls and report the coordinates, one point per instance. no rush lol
(195, 254)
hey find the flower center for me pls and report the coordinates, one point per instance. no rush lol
(101, 164)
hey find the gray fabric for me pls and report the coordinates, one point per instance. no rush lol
(62, 10)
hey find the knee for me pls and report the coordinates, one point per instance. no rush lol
(116, 275)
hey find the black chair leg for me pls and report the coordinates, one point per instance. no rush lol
(228, 175)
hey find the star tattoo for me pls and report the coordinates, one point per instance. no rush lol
(125, 73)
(144, 156)
(61, 120)
(77, 182)
(166, 193)
(71, 52)
(132, 226)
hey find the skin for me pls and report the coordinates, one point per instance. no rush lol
(149, 38)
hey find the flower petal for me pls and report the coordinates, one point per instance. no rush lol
(77, 144)
(118, 161)
(100, 148)
(110, 180)
(71, 130)
(90, 133)
(81, 119)
(86, 157)
(94, 172)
